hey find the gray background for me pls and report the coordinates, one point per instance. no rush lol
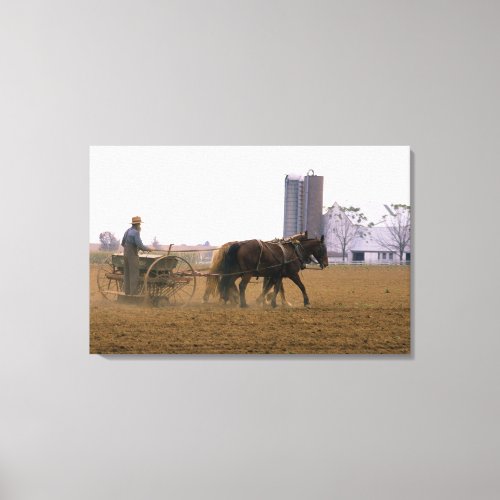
(272, 72)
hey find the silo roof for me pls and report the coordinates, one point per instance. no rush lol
(295, 177)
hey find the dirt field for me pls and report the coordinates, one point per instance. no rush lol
(354, 310)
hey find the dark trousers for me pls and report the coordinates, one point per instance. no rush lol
(130, 270)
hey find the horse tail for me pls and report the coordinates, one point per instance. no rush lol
(215, 268)
(229, 266)
(211, 287)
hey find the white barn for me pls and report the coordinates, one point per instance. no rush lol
(363, 245)
(369, 249)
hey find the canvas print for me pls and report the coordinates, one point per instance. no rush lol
(250, 250)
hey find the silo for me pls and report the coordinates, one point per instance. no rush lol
(313, 204)
(294, 205)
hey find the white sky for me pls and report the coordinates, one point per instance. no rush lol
(189, 195)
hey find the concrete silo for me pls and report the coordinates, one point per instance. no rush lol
(294, 205)
(303, 204)
(313, 204)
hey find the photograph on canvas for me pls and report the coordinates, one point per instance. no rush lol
(250, 250)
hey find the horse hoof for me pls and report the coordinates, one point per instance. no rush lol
(244, 306)
(308, 306)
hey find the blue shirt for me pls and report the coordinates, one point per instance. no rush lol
(133, 237)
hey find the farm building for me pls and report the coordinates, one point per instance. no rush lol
(349, 242)
(370, 248)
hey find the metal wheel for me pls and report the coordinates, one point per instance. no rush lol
(110, 280)
(170, 280)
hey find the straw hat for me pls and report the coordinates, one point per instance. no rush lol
(136, 220)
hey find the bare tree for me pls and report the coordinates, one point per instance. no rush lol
(397, 236)
(155, 243)
(109, 242)
(346, 226)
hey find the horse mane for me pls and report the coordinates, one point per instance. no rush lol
(295, 238)
(299, 237)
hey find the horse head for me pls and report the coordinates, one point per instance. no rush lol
(313, 247)
(317, 248)
(320, 253)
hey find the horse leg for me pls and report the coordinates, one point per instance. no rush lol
(212, 284)
(284, 302)
(260, 298)
(234, 294)
(266, 286)
(265, 296)
(296, 279)
(269, 294)
(277, 288)
(243, 286)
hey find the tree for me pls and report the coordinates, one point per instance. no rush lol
(397, 236)
(109, 243)
(346, 226)
(155, 243)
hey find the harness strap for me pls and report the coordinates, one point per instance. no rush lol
(260, 255)
(284, 253)
(282, 263)
(268, 244)
(298, 251)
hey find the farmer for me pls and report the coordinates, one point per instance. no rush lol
(132, 243)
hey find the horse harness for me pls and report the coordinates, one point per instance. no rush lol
(297, 250)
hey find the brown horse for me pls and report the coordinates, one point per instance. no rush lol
(213, 279)
(274, 260)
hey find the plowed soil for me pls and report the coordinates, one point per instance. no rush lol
(354, 310)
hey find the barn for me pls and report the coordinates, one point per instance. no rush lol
(362, 244)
